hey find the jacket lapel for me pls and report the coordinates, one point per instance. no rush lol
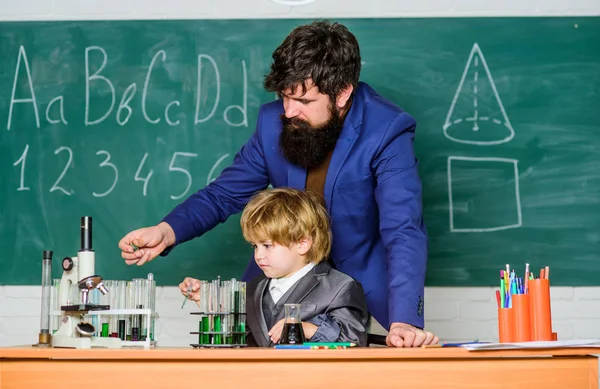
(262, 338)
(296, 177)
(305, 285)
(343, 146)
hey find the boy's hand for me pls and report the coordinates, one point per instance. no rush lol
(275, 332)
(192, 286)
(309, 330)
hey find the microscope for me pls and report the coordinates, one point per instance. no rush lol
(74, 331)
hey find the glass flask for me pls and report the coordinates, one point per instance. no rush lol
(292, 332)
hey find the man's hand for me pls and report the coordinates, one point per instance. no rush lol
(145, 244)
(405, 335)
(275, 332)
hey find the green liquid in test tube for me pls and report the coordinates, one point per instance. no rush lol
(242, 336)
(205, 328)
(242, 309)
(105, 330)
(218, 337)
(201, 335)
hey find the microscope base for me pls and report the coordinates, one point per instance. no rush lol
(69, 335)
(81, 342)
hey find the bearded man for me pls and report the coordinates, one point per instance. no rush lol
(331, 134)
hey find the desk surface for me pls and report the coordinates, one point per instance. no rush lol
(380, 353)
(257, 368)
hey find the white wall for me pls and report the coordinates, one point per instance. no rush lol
(244, 9)
(453, 313)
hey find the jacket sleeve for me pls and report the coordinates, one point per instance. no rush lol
(346, 317)
(398, 196)
(250, 341)
(226, 195)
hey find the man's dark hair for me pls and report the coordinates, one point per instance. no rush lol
(325, 52)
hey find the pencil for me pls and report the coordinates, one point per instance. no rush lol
(345, 344)
(306, 347)
(526, 278)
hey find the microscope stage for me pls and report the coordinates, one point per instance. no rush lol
(84, 308)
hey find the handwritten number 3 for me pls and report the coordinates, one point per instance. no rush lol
(107, 163)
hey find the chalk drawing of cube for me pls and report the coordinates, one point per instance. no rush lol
(483, 194)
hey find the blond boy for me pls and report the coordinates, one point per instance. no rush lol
(289, 230)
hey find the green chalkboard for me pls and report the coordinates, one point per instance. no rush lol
(121, 120)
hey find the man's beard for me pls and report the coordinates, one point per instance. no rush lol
(308, 146)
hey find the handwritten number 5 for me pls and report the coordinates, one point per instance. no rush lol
(182, 170)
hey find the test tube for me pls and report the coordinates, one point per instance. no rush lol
(136, 320)
(44, 336)
(233, 308)
(94, 298)
(151, 303)
(114, 302)
(55, 304)
(226, 296)
(236, 311)
(204, 322)
(104, 300)
(142, 303)
(223, 308)
(122, 304)
(212, 295)
(217, 338)
(242, 311)
(130, 304)
(204, 292)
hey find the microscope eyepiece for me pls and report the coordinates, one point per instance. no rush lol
(86, 233)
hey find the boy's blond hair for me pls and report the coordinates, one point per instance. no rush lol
(286, 216)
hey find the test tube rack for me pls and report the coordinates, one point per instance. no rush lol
(149, 314)
(217, 338)
(124, 317)
(222, 313)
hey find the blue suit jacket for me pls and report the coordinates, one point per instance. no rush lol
(372, 192)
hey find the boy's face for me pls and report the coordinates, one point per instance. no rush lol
(278, 261)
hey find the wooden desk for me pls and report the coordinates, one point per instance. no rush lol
(380, 368)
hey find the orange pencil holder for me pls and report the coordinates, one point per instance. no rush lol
(522, 307)
(507, 329)
(541, 315)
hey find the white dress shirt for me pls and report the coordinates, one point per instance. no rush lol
(278, 286)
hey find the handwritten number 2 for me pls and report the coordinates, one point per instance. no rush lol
(69, 162)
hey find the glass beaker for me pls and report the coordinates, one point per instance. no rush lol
(292, 332)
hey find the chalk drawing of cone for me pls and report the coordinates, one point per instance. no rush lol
(476, 115)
